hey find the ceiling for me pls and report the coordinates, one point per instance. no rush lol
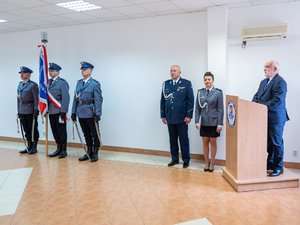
(39, 14)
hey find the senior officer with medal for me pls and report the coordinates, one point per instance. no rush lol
(28, 98)
(176, 110)
(58, 105)
(87, 106)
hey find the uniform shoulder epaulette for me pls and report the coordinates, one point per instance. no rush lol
(218, 89)
(96, 81)
(201, 89)
(62, 79)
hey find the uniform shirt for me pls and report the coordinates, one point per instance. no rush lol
(209, 107)
(59, 89)
(177, 101)
(28, 97)
(88, 99)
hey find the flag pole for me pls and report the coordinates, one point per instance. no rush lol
(44, 73)
(46, 127)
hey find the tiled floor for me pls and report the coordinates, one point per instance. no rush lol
(130, 189)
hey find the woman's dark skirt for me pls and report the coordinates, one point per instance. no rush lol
(209, 131)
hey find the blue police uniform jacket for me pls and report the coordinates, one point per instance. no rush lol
(273, 96)
(177, 101)
(28, 97)
(59, 89)
(87, 99)
(209, 107)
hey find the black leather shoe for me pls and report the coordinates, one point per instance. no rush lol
(185, 165)
(276, 173)
(32, 151)
(173, 163)
(54, 154)
(23, 151)
(83, 158)
(62, 154)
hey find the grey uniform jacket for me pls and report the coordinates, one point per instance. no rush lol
(28, 97)
(87, 99)
(209, 107)
(59, 89)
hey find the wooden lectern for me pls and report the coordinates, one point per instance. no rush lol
(246, 148)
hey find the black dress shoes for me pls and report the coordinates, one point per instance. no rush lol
(185, 165)
(54, 154)
(62, 154)
(276, 173)
(173, 163)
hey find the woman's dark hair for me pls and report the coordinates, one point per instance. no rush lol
(209, 74)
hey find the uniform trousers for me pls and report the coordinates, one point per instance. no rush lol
(59, 130)
(180, 131)
(89, 130)
(26, 121)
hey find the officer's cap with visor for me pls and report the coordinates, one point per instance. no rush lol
(86, 65)
(54, 66)
(24, 69)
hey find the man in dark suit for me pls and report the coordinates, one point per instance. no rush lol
(176, 110)
(272, 93)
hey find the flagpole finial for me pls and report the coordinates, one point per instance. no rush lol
(44, 37)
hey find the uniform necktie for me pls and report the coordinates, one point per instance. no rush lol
(50, 81)
(174, 83)
(207, 91)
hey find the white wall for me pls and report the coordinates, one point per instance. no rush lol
(132, 58)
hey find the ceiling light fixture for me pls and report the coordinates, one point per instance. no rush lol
(3, 21)
(79, 6)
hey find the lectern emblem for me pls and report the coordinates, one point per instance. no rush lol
(231, 113)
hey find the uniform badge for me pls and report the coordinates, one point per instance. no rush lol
(231, 113)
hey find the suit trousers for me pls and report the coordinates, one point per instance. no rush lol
(275, 146)
(89, 130)
(179, 131)
(26, 121)
(59, 130)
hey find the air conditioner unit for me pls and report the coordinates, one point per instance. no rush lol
(263, 33)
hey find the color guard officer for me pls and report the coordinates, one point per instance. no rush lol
(58, 104)
(87, 106)
(27, 103)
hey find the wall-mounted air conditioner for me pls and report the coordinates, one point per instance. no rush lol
(262, 33)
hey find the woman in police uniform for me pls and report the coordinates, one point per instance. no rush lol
(210, 109)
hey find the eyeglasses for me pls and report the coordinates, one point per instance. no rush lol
(268, 66)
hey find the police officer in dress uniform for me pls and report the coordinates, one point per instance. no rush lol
(176, 110)
(87, 106)
(209, 115)
(58, 108)
(28, 97)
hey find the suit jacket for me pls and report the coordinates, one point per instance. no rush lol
(177, 101)
(59, 89)
(209, 108)
(273, 96)
(28, 97)
(87, 99)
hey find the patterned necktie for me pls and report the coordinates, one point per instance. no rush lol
(266, 84)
